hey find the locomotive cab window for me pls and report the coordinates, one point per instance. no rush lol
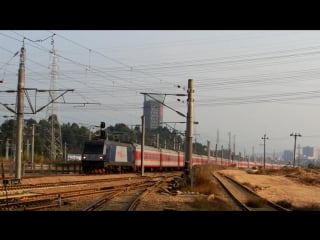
(93, 148)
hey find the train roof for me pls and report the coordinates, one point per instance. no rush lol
(125, 144)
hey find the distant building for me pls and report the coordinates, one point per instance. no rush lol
(153, 112)
(316, 153)
(287, 155)
(307, 151)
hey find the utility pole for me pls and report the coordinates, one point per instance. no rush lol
(229, 146)
(158, 141)
(221, 154)
(253, 158)
(7, 149)
(208, 146)
(65, 152)
(234, 145)
(32, 147)
(189, 134)
(28, 150)
(20, 109)
(218, 136)
(295, 135)
(264, 150)
(142, 144)
(217, 143)
(216, 151)
(298, 154)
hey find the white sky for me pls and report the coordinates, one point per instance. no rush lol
(246, 82)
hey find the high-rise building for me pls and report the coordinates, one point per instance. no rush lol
(153, 112)
(307, 151)
(316, 153)
(287, 155)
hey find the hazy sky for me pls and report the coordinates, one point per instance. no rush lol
(249, 83)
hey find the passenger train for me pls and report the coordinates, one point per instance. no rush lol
(105, 156)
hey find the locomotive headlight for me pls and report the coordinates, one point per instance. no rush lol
(84, 157)
(100, 157)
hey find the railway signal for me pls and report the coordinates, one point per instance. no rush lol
(102, 130)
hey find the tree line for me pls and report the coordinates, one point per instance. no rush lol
(70, 138)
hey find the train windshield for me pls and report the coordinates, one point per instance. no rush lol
(93, 148)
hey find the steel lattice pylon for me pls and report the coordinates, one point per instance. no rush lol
(54, 143)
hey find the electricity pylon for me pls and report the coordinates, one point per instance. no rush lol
(54, 141)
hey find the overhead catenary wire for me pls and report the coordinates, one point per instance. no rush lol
(211, 87)
(78, 64)
(112, 59)
(94, 71)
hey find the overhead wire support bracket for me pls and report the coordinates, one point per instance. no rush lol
(165, 94)
(65, 91)
(34, 109)
(10, 109)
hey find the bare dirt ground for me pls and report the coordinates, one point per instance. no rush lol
(300, 187)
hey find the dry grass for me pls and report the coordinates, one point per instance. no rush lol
(311, 207)
(202, 180)
(255, 202)
(203, 184)
(202, 204)
(289, 205)
(306, 176)
(285, 204)
(252, 187)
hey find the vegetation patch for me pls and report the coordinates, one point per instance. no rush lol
(202, 204)
(312, 207)
(255, 202)
(202, 181)
(307, 176)
(285, 204)
(249, 185)
(309, 180)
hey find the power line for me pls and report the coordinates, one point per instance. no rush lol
(42, 48)
(262, 98)
(128, 66)
(112, 59)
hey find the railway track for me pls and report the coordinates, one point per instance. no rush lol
(125, 199)
(245, 198)
(57, 195)
(33, 199)
(63, 183)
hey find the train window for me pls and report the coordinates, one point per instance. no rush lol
(93, 148)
